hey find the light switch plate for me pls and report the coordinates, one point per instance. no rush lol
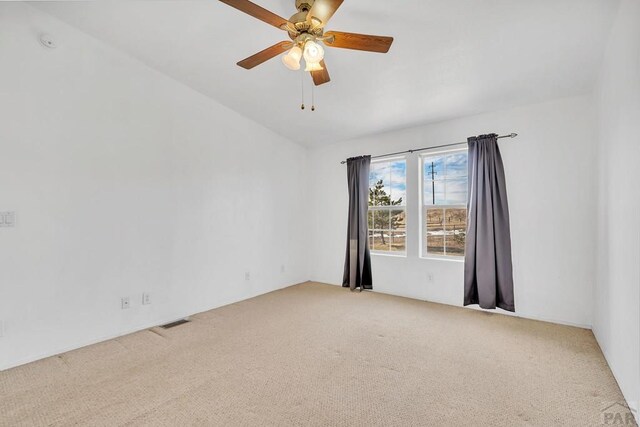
(7, 219)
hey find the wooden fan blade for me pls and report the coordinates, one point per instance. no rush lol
(321, 77)
(324, 10)
(257, 12)
(265, 55)
(380, 44)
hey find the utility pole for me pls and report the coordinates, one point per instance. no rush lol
(433, 182)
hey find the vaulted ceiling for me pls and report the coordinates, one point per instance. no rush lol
(449, 58)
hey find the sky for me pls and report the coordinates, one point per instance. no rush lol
(394, 177)
(449, 181)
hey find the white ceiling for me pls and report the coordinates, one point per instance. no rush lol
(449, 58)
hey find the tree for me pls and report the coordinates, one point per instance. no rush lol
(381, 219)
(459, 216)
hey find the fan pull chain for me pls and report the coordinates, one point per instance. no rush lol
(313, 95)
(302, 86)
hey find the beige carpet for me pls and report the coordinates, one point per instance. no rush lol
(317, 354)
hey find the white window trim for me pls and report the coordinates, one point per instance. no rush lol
(422, 253)
(393, 254)
(388, 254)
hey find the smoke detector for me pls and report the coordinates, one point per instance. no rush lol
(48, 41)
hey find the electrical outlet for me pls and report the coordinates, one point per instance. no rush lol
(247, 276)
(125, 302)
(146, 298)
(282, 269)
(7, 219)
(430, 277)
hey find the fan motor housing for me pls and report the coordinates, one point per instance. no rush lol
(299, 24)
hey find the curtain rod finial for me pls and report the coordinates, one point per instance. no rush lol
(513, 135)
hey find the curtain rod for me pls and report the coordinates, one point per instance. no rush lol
(511, 135)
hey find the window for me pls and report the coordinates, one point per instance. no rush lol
(444, 203)
(387, 207)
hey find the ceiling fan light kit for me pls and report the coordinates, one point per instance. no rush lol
(313, 52)
(292, 59)
(313, 66)
(306, 30)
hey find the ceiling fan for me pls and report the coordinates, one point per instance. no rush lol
(306, 31)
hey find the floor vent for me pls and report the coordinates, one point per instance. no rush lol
(174, 324)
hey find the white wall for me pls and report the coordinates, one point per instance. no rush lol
(617, 292)
(125, 181)
(551, 178)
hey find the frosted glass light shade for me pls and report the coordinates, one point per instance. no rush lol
(313, 52)
(292, 58)
(313, 66)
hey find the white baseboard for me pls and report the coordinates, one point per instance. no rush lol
(86, 343)
(633, 405)
(131, 330)
(496, 311)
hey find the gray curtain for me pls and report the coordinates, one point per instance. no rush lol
(488, 276)
(357, 264)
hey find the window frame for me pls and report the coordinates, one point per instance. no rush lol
(422, 251)
(389, 253)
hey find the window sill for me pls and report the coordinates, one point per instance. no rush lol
(444, 258)
(388, 255)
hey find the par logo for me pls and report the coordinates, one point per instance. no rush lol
(617, 414)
